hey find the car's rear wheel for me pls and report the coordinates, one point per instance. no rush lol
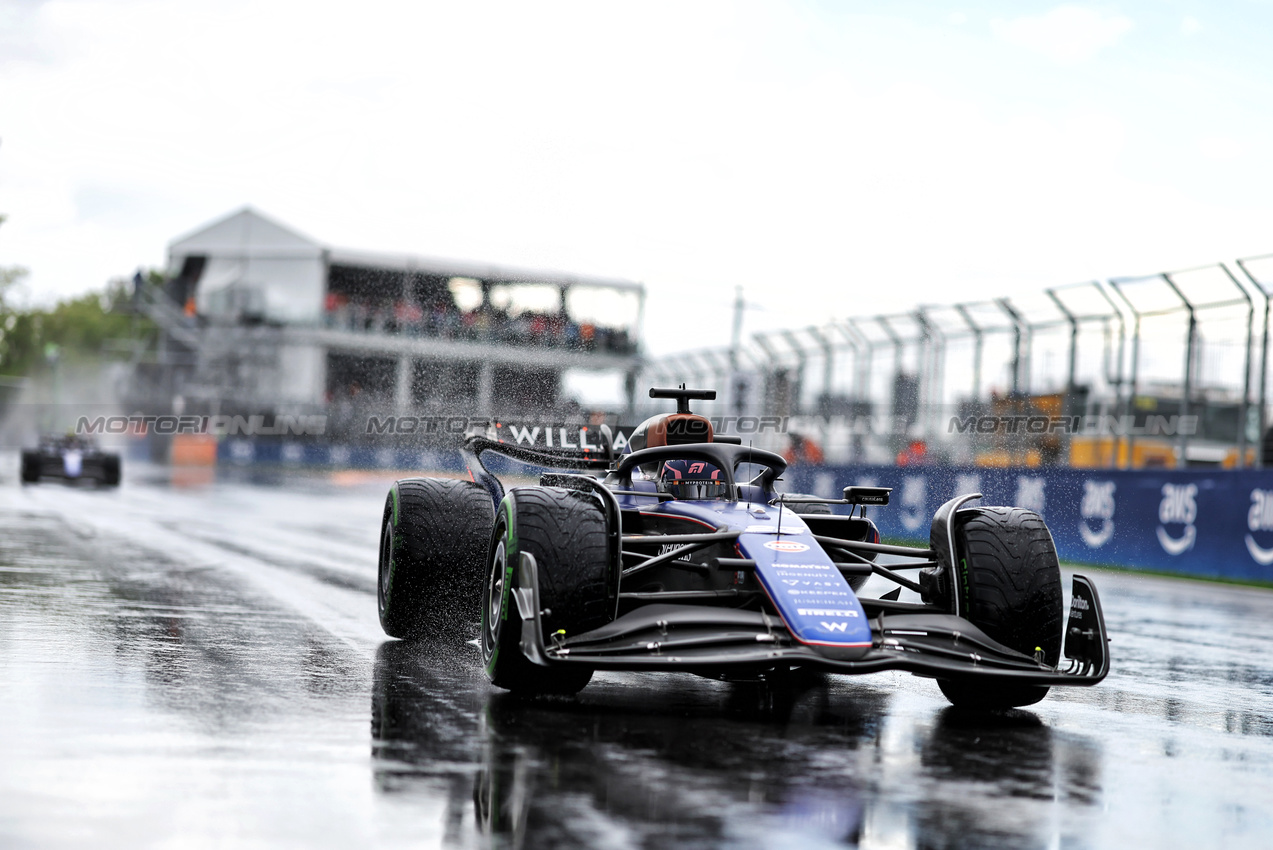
(433, 538)
(565, 532)
(1009, 586)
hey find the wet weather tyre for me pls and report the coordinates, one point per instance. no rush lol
(30, 467)
(433, 538)
(1009, 585)
(565, 531)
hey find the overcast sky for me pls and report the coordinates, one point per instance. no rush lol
(829, 157)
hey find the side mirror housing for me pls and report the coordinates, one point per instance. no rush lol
(867, 495)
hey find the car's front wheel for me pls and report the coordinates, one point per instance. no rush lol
(565, 532)
(1009, 585)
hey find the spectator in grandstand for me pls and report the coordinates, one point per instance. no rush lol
(915, 454)
(802, 450)
(486, 322)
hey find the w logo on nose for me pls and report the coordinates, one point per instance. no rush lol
(835, 627)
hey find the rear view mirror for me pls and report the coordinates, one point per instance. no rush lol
(867, 495)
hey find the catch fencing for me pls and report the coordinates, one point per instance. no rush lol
(1186, 342)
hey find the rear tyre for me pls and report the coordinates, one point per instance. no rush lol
(30, 467)
(433, 538)
(110, 471)
(565, 531)
(1009, 586)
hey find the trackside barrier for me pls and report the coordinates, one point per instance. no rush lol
(1215, 523)
(247, 452)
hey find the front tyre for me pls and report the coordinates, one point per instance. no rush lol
(433, 538)
(1009, 586)
(565, 531)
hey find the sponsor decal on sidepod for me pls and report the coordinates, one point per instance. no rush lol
(786, 546)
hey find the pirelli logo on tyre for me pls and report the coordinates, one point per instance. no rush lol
(786, 546)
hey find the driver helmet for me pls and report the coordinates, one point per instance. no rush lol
(693, 479)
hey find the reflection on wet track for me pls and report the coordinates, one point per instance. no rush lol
(204, 666)
(685, 763)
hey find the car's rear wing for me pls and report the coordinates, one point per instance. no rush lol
(592, 460)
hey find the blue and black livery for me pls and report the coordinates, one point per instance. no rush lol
(730, 578)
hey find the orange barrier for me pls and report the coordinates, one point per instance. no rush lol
(193, 450)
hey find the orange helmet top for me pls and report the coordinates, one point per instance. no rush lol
(671, 429)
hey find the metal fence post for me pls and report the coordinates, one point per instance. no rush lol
(932, 381)
(978, 343)
(1018, 323)
(1120, 400)
(1264, 362)
(1131, 398)
(1246, 367)
(1190, 345)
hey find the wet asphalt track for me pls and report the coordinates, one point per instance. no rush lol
(196, 666)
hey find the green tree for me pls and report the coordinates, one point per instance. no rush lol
(12, 326)
(88, 327)
(78, 328)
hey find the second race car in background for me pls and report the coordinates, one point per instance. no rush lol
(70, 459)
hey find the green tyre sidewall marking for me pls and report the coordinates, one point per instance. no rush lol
(963, 574)
(510, 558)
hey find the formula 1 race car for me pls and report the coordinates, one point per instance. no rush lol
(70, 458)
(681, 555)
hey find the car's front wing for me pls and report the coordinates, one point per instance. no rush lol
(709, 640)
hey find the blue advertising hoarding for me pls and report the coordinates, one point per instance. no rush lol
(1216, 523)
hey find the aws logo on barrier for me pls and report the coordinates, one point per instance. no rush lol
(1260, 518)
(1097, 505)
(1179, 505)
(914, 502)
(1030, 493)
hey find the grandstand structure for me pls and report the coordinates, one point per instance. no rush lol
(261, 319)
